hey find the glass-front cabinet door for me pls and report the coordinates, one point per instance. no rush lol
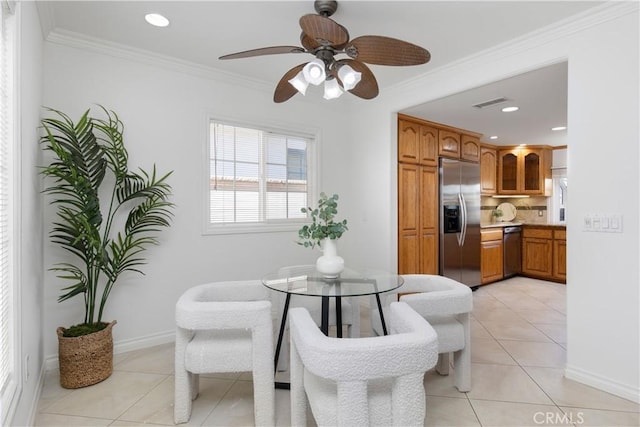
(508, 173)
(531, 172)
(523, 171)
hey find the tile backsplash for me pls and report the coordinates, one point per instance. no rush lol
(531, 210)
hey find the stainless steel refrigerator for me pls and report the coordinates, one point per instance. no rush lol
(460, 221)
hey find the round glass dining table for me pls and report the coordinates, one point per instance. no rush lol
(306, 280)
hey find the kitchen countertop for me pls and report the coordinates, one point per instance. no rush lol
(512, 224)
(501, 224)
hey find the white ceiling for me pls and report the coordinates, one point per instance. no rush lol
(540, 95)
(201, 31)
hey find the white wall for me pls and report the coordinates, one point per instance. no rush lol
(164, 110)
(30, 214)
(603, 296)
(559, 158)
(602, 281)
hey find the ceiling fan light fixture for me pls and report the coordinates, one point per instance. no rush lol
(325, 39)
(300, 83)
(314, 72)
(349, 77)
(332, 89)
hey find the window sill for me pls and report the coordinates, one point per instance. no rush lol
(250, 228)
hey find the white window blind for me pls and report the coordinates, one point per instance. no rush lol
(8, 380)
(257, 177)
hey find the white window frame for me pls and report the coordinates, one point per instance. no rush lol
(10, 391)
(270, 225)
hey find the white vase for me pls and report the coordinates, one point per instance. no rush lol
(330, 265)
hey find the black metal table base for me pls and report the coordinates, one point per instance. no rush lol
(324, 327)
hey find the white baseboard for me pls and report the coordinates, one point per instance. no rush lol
(51, 361)
(33, 412)
(601, 383)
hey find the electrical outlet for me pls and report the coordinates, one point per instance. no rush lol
(540, 213)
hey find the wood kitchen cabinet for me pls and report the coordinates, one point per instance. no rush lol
(417, 143)
(488, 171)
(420, 144)
(544, 252)
(491, 255)
(470, 148)
(448, 144)
(456, 145)
(524, 171)
(560, 255)
(417, 219)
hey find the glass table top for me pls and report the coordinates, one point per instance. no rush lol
(306, 280)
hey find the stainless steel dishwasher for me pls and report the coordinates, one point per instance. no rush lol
(512, 249)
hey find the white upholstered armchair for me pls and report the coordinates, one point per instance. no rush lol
(225, 327)
(446, 305)
(361, 381)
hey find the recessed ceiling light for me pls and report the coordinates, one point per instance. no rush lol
(509, 109)
(156, 20)
(493, 137)
(559, 128)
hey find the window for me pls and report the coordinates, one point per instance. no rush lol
(8, 337)
(258, 179)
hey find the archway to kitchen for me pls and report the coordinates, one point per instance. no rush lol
(538, 122)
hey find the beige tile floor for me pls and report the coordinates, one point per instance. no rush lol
(518, 354)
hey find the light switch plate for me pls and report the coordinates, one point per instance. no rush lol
(602, 223)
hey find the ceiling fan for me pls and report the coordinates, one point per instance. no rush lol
(324, 38)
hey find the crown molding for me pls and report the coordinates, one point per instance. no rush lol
(47, 17)
(564, 28)
(92, 44)
(117, 50)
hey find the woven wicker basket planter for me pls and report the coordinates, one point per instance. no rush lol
(85, 360)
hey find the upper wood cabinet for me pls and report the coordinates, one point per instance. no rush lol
(417, 143)
(488, 171)
(457, 145)
(524, 171)
(449, 144)
(470, 148)
(421, 142)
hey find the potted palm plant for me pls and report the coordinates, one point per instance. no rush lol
(93, 192)
(324, 231)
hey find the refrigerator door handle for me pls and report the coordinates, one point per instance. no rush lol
(463, 209)
(460, 219)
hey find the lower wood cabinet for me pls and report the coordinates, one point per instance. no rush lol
(418, 232)
(544, 253)
(560, 255)
(491, 255)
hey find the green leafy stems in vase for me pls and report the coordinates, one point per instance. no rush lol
(497, 214)
(323, 226)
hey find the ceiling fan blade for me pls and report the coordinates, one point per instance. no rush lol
(273, 50)
(308, 43)
(284, 89)
(342, 45)
(382, 50)
(324, 30)
(367, 87)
